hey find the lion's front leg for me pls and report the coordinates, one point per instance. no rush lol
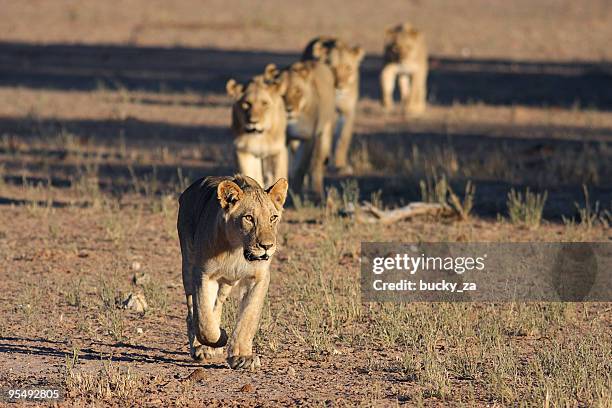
(206, 320)
(279, 167)
(302, 159)
(240, 348)
(343, 141)
(387, 85)
(418, 96)
(403, 81)
(250, 165)
(275, 166)
(197, 350)
(322, 149)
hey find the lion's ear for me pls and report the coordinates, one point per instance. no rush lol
(318, 50)
(271, 72)
(358, 52)
(228, 193)
(234, 89)
(280, 83)
(278, 193)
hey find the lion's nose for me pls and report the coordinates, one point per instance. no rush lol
(266, 245)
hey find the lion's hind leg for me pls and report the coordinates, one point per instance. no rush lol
(185, 237)
(195, 347)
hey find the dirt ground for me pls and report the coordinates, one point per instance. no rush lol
(109, 109)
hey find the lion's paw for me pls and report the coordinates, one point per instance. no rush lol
(201, 353)
(197, 353)
(251, 362)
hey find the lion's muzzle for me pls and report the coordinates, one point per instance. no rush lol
(251, 257)
(253, 127)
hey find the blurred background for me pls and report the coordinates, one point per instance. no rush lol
(519, 92)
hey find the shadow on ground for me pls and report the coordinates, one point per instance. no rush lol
(514, 157)
(96, 352)
(206, 70)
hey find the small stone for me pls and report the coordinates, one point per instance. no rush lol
(139, 330)
(197, 375)
(136, 302)
(136, 266)
(247, 388)
(291, 371)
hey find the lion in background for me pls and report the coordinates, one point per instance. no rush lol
(405, 59)
(227, 228)
(344, 62)
(310, 105)
(259, 124)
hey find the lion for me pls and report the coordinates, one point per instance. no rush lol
(311, 113)
(344, 62)
(259, 124)
(405, 58)
(227, 228)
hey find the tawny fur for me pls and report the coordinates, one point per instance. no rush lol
(259, 125)
(311, 114)
(344, 62)
(405, 60)
(227, 228)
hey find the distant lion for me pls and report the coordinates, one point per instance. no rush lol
(227, 228)
(311, 114)
(405, 59)
(344, 62)
(259, 124)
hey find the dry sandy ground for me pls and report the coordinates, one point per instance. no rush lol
(108, 108)
(319, 346)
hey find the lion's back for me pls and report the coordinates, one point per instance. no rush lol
(197, 202)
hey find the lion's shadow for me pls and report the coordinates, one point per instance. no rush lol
(98, 351)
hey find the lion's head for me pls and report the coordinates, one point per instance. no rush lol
(251, 215)
(299, 88)
(401, 42)
(342, 59)
(255, 105)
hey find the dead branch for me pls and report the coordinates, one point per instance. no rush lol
(369, 214)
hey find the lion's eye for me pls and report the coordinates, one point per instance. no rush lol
(273, 218)
(249, 218)
(246, 105)
(264, 103)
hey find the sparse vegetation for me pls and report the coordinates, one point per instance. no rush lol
(591, 214)
(349, 193)
(103, 128)
(526, 209)
(110, 383)
(438, 190)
